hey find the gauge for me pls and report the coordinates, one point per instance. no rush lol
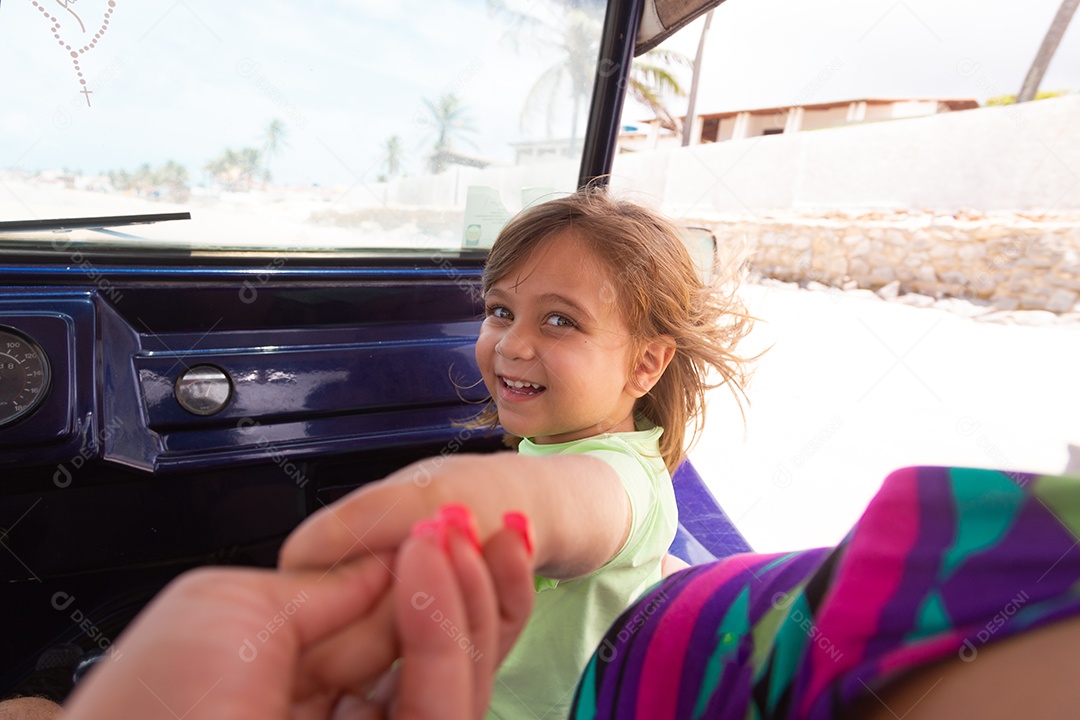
(24, 376)
(203, 390)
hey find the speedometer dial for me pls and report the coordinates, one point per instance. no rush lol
(24, 376)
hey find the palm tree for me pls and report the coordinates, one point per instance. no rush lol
(121, 180)
(450, 121)
(651, 80)
(235, 169)
(246, 165)
(144, 179)
(172, 178)
(1047, 50)
(274, 139)
(172, 173)
(393, 155)
(575, 40)
(695, 79)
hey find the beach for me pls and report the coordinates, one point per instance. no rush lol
(853, 387)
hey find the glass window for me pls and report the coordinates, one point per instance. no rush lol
(299, 126)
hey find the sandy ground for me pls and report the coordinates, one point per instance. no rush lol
(855, 387)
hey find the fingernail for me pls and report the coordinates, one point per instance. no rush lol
(519, 523)
(460, 518)
(433, 530)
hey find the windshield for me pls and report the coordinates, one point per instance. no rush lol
(296, 126)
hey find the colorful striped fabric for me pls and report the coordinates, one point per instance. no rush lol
(943, 561)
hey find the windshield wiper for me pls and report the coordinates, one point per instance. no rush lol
(95, 223)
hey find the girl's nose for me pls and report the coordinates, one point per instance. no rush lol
(513, 345)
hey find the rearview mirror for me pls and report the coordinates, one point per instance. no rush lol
(702, 246)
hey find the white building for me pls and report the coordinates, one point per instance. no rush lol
(533, 152)
(740, 124)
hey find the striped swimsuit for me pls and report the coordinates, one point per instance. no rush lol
(943, 561)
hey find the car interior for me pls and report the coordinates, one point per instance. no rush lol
(180, 386)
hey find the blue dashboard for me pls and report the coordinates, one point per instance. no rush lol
(190, 414)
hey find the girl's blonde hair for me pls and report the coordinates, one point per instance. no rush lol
(659, 291)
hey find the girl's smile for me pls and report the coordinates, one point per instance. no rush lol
(519, 390)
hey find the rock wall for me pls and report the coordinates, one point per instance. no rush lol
(1013, 262)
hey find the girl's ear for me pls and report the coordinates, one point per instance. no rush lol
(654, 359)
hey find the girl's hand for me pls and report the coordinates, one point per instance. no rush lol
(250, 643)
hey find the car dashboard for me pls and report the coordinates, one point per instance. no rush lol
(157, 418)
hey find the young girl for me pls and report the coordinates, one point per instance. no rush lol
(596, 347)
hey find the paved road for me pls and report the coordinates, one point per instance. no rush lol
(854, 387)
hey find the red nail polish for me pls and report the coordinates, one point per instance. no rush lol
(460, 518)
(519, 523)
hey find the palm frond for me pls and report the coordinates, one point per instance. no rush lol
(657, 77)
(542, 95)
(647, 95)
(663, 56)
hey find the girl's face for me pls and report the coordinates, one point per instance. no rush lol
(554, 349)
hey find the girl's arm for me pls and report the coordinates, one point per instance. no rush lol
(579, 510)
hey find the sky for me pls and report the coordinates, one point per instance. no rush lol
(766, 53)
(185, 79)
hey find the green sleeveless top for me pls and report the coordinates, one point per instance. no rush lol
(538, 678)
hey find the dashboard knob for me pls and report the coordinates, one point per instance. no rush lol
(203, 390)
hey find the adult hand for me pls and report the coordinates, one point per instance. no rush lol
(449, 666)
(261, 644)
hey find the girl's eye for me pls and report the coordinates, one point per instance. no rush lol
(498, 311)
(556, 320)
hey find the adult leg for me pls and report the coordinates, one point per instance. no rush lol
(1030, 675)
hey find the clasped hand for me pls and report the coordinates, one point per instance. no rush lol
(232, 643)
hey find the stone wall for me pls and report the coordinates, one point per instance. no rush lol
(1013, 262)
